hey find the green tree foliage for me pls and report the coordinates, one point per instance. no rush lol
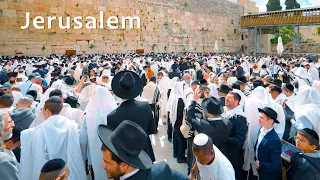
(274, 5)
(286, 33)
(292, 4)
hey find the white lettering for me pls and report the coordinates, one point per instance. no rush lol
(112, 20)
(50, 18)
(67, 26)
(130, 19)
(92, 24)
(27, 21)
(36, 20)
(76, 20)
(101, 20)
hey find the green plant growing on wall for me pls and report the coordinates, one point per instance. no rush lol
(77, 4)
(165, 48)
(318, 30)
(153, 46)
(91, 46)
(286, 34)
(43, 48)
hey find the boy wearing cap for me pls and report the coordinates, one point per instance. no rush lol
(268, 146)
(306, 165)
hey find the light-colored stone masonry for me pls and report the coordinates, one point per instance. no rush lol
(166, 26)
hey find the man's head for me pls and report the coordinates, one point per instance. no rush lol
(232, 100)
(205, 92)
(202, 148)
(24, 102)
(14, 141)
(32, 78)
(113, 165)
(307, 66)
(33, 93)
(56, 92)
(159, 75)
(267, 117)
(275, 91)
(194, 85)
(54, 169)
(307, 140)
(6, 88)
(105, 78)
(153, 79)
(52, 106)
(187, 78)
(287, 89)
(6, 125)
(6, 101)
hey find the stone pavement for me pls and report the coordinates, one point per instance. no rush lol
(163, 149)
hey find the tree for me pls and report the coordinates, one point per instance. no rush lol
(292, 4)
(274, 5)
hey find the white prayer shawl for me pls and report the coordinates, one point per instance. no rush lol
(56, 137)
(314, 73)
(148, 92)
(99, 106)
(213, 90)
(23, 77)
(172, 82)
(85, 95)
(316, 85)
(77, 72)
(163, 84)
(290, 102)
(219, 169)
(58, 84)
(251, 110)
(231, 80)
(267, 101)
(163, 88)
(16, 97)
(280, 98)
(306, 95)
(73, 114)
(175, 95)
(302, 73)
(38, 112)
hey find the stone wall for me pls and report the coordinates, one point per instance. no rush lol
(304, 48)
(166, 26)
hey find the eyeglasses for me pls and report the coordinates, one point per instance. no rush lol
(301, 140)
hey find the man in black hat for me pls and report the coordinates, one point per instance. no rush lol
(127, 85)
(239, 69)
(223, 91)
(214, 126)
(12, 78)
(123, 159)
(268, 146)
(55, 169)
(174, 72)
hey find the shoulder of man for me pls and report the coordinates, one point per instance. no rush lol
(162, 170)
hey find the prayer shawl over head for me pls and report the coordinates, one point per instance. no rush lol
(56, 137)
(150, 93)
(267, 101)
(99, 106)
(72, 114)
(85, 95)
(172, 82)
(307, 105)
(175, 95)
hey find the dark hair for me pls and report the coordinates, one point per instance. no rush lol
(54, 104)
(236, 86)
(207, 148)
(113, 157)
(6, 100)
(56, 92)
(33, 93)
(153, 79)
(276, 88)
(160, 74)
(237, 97)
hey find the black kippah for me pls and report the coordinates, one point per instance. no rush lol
(53, 165)
(311, 133)
(55, 99)
(289, 87)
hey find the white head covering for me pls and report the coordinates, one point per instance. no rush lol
(176, 93)
(58, 84)
(316, 85)
(99, 106)
(307, 95)
(85, 96)
(302, 73)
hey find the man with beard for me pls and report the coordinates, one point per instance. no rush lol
(12, 78)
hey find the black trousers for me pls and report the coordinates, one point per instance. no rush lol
(156, 111)
(239, 172)
(169, 130)
(190, 156)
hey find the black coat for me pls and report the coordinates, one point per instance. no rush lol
(305, 167)
(236, 140)
(269, 158)
(159, 171)
(138, 112)
(218, 130)
(174, 74)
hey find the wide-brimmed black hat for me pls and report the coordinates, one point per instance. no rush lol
(12, 74)
(224, 89)
(126, 142)
(126, 85)
(69, 80)
(212, 106)
(72, 101)
(269, 112)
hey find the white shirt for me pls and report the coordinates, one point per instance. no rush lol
(263, 132)
(219, 169)
(126, 176)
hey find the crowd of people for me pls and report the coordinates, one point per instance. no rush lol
(228, 116)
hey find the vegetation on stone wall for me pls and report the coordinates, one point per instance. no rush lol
(274, 5)
(286, 34)
(318, 30)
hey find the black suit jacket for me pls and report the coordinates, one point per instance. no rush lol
(174, 74)
(138, 112)
(159, 171)
(236, 140)
(269, 152)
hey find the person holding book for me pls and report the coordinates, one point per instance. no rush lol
(268, 146)
(305, 164)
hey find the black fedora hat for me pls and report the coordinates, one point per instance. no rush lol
(69, 80)
(269, 112)
(72, 101)
(224, 89)
(212, 106)
(126, 142)
(12, 74)
(126, 85)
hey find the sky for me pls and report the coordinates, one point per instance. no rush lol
(261, 4)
